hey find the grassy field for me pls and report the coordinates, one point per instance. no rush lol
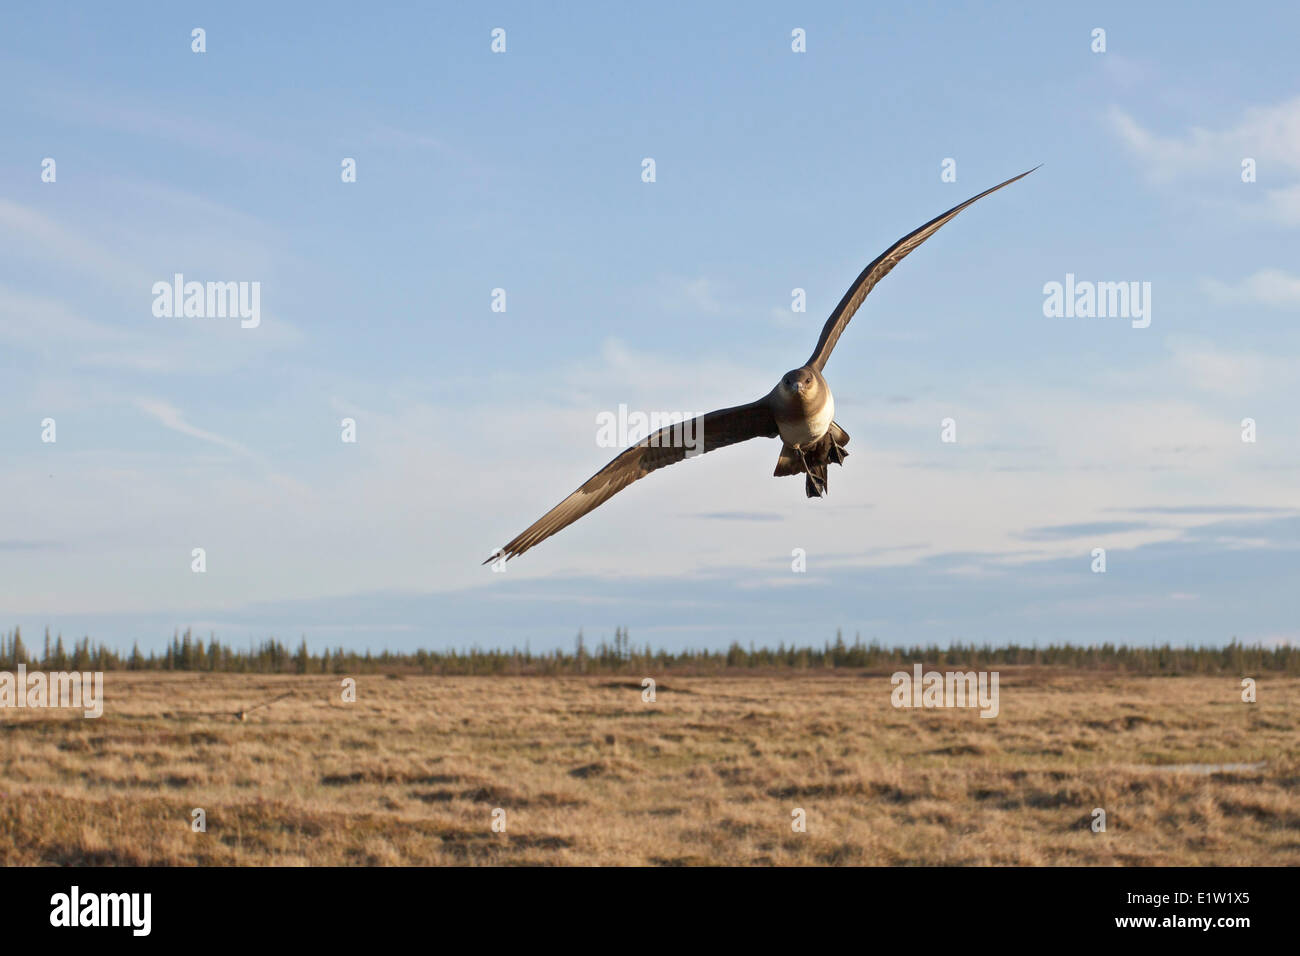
(710, 773)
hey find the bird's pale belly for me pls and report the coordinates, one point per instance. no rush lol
(806, 431)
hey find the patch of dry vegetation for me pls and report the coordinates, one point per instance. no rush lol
(708, 774)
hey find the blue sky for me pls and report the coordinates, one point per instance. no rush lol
(775, 170)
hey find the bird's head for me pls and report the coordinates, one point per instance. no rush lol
(800, 383)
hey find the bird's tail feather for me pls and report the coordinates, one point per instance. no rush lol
(791, 463)
(788, 463)
(810, 487)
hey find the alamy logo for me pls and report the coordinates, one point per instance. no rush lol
(627, 428)
(1098, 300)
(951, 689)
(134, 910)
(208, 300)
(56, 689)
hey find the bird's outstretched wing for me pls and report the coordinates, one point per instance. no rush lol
(667, 446)
(878, 269)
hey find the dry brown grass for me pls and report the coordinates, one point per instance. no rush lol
(588, 774)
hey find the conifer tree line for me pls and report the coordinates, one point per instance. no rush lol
(188, 653)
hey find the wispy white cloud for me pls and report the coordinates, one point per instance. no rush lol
(116, 111)
(171, 417)
(24, 228)
(1270, 287)
(697, 294)
(47, 325)
(1270, 135)
(1211, 368)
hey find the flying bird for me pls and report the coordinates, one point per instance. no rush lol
(799, 410)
